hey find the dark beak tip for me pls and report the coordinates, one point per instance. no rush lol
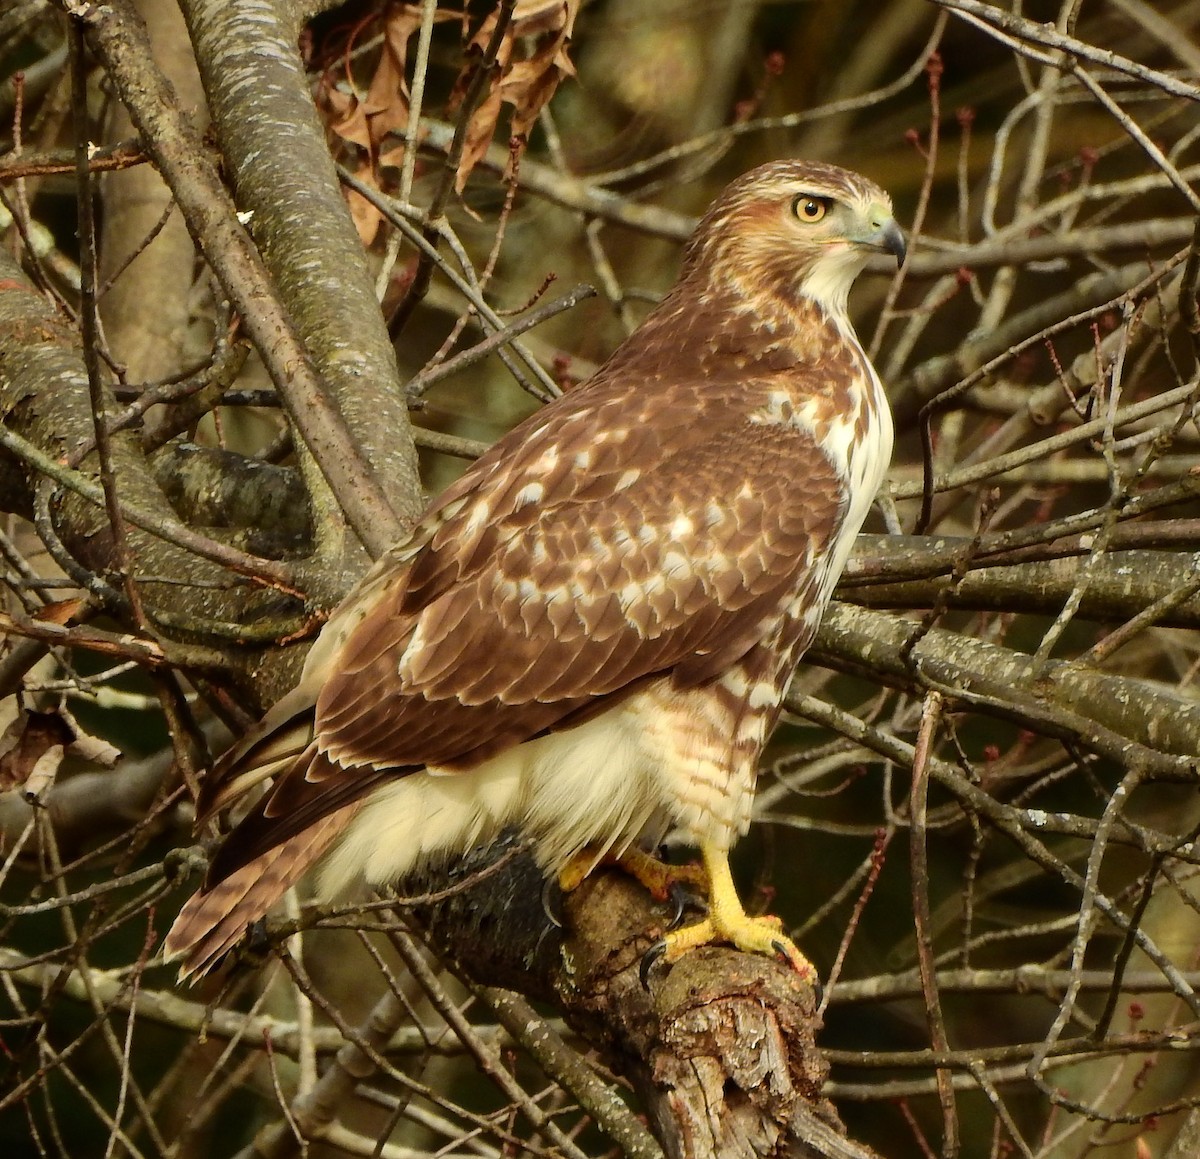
(894, 238)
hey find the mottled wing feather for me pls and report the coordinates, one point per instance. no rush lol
(582, 591)
(677, 517)
(515, 617)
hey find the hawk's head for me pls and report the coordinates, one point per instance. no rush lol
(796, 229)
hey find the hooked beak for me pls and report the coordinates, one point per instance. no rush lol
(888, 237)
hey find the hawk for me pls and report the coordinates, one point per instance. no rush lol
(590, 634)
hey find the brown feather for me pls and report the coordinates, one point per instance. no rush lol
(212, 922)
(659, 531)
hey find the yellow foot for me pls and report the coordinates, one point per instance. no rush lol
(762, 935)
(728, 922)
(660, 879)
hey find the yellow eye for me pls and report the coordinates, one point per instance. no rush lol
(810, 209)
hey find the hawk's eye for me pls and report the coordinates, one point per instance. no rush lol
(810, 209)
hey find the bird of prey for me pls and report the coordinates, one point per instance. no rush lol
(589, 635)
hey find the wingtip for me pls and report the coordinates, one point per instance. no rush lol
(200, 936)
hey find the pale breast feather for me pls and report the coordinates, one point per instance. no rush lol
(867, 434)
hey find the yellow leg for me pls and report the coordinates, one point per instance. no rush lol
(727, 921)
(657, 876)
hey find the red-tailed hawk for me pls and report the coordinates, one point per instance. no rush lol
(590, 633)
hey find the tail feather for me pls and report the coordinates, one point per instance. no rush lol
(214, 920)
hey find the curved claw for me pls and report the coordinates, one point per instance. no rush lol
(649, 958)
(678, 904)
(682, 898)
(790, 956)
(549, 908)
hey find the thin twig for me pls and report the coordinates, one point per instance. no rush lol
(931, 712)
(992, 18)
(437, 203)
(420, 383)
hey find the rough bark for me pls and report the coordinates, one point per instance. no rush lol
(44, 399)
(151, 344)
(721, 1047)
(285, 182)
(119, 39)
(1128, 719)
(1119, 586)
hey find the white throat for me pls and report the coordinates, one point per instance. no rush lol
(828, 282)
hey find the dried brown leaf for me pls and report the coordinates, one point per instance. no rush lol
(363, 213)
(33, 743)
(531, 83)
(526, 83)
(375, 120)
(533, 17)
(93, 749)
(62, 611)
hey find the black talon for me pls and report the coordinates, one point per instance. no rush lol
(678, 902)
(552, 912)
(781, 950)
(651, 956)
(681, 899)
